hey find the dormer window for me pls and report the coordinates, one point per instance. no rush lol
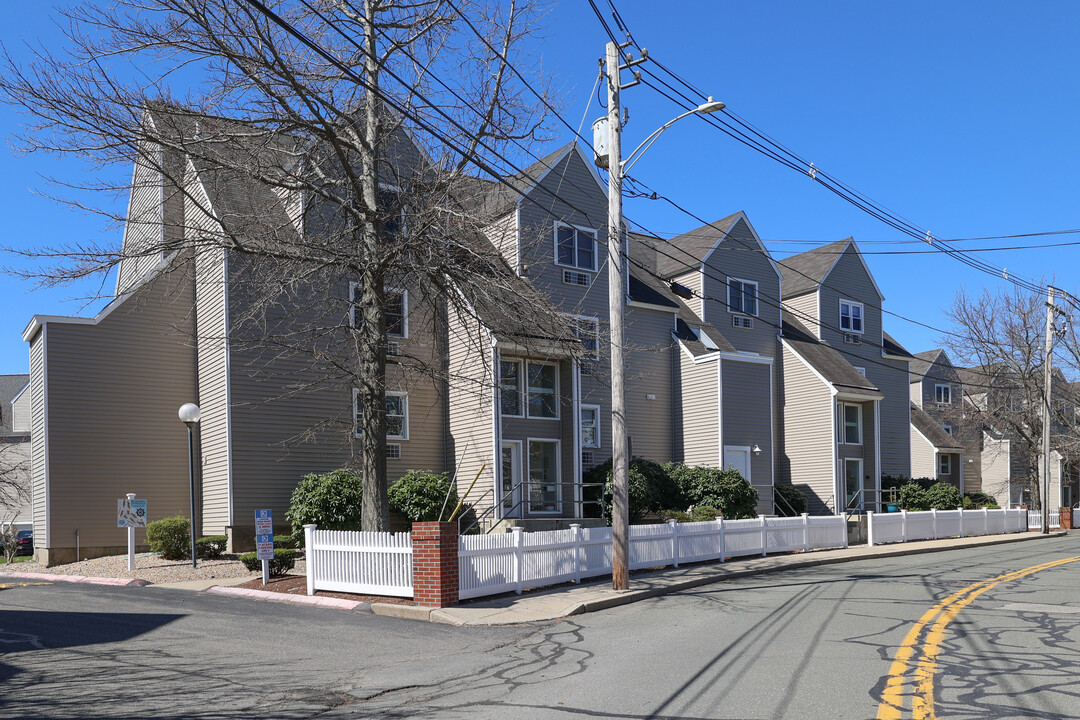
(851, 316)
(742, 296)
(943, 394)
(575, 247)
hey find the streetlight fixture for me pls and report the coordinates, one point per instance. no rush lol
(611, 142)
(190, 415)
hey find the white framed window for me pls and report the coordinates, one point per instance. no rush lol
(575, 247)
(851, 316)
(392, 210)
(511, 397)
(943, 394)
(587, 331)
(590, 426)
(861, 371)
(944, 464)
(947, 427)
(850, 422)
(742, 296)
(397, 415)
(543, 390)
(396, 310)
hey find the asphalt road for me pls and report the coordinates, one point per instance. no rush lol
(933, 635)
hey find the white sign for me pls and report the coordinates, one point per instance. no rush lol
(264, 534)
(130, 513)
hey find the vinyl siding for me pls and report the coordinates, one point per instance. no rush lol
(648, 372)
(38, 438)
(996, 461)
(503, 235)
(134, 368)
(470, 401)
(21, 413)
(695, 281)
(213, 364)
(700, 412)
(805, 310)
(747, 421)
(922, 456)
(867, 452)
(806, 459)
(891, 377)
(144, 229)
(739, 256)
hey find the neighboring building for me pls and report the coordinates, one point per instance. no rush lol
(845, 413)
(943, 447)
(15, 449)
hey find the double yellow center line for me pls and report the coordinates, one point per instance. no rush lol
(912, 672)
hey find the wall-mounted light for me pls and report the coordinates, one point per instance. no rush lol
(756, 450)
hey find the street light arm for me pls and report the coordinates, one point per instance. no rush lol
(703, 109)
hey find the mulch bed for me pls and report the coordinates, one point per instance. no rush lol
(297, 585)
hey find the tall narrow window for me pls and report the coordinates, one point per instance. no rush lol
(590, 426)
(575, 247)
(943, 394)
(396, 308)
(510, 388)
(587, 330)
(543, 390)
(742, 296)
(851, 316)
(851, 416)
(397, 415)
(944, 464)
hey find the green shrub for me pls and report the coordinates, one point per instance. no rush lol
(283, 561)
(284, 541)
(725, 490)
(419, 496)
(210, 547)
(698, 513)
(332, 501)
(943, 496)
(791, 500)
(980, 500)
(650, 487)
(913, 497)
(171, 537)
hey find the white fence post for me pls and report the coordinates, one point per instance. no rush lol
(518, 557)
(720, 544)
(806, 532)
(870, 528)
(933, 519)
(309, 556)
(764, 538)
(986, 521)
(903, 526)
(961, 522)
(673, 525)
(576, 527)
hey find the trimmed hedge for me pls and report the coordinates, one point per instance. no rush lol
(283, 561)
(171, 537)
(332, 500)
(725, 490)
(419, 495)
(698, 513)
(210, 547)
(285, 541)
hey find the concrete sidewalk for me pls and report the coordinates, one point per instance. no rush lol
(566, 600)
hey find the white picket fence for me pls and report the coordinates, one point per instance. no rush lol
(1035, 519)
(518, 560)
(906, 526)
(372, 563)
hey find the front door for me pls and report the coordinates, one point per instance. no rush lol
(510, 492)
(853, 482)
(737, 457)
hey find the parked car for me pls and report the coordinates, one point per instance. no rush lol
(24, 542)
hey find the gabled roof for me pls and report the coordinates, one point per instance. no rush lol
(890, 347)
(827, 361)
(686, 252)
(803, 273)
(922, 363)
(932, 431)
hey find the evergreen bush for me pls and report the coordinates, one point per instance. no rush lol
(210, 547)
(419, 496)
(725, 490)
(332, 500)
(283, 561)
(791, 500)
(171, 537)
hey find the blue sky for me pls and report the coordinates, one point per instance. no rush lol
(959, 116)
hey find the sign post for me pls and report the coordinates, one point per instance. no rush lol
(130, 514)
(264, 540)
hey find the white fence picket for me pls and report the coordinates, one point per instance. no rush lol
(908, 526)
(360, 562)
(1034, 518)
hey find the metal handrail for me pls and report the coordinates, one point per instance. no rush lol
(778, 496)
(514, 508)
(855, 503)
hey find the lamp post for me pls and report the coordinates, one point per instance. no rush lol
(617, 168)
(189, 415)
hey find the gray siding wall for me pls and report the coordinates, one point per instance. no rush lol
(694, 280)
(747, 421)
(891, 377)
(805, 310)
(213, 364)
(700, 412)
(922, 456)
(21, 413)
(134, 442)
(649, 373)
(38, 438)
(850, 281)
(996, 459)
(470, 403)
(144, 230)
(806, 459)
(867, 452)
(739, 256)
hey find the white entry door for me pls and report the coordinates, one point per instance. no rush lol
(737, 457)
(510, 490)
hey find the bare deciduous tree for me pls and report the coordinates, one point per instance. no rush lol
(347, 147)
(14, 491)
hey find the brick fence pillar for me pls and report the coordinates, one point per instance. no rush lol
(1066, 517)
(435, 563)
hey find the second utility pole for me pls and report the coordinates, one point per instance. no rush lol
(1048, 383)
(620, 463)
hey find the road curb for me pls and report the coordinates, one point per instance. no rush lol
(408, 612)
(85, 579)
(252, 594)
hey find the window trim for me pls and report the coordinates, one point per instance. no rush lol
(948, 428)
(576, 228)
(938, 387)
(522, 391)
(599, 440)
(944, 464)
(862, 317)
(353, 284)
(527, 461)
(860, 370)
(842, 406)
(595, 321)
(405, 414)
(757, 296)
(528, 393)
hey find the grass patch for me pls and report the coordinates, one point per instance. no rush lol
(18, 559)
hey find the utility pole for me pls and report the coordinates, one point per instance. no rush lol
(1047, 408)
(620, 463)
